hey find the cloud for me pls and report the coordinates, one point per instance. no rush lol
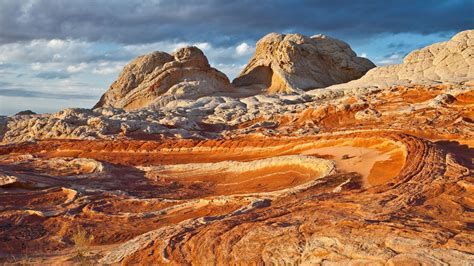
(243, 49)
(28, 93)
(56, 44)
(223, 22)
(56, 50)
(232, 70)
(397, 45)
(391, 59)
(76, 56)
(106, 68)
(76, 68)
(203, 46)
(36, 66)
(53, 75)
(6, 68)
(5, 65)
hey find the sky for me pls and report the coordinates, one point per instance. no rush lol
(65, 53)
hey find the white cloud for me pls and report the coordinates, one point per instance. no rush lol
(36, 66)
(231, 70)
(76, 56)
(243, 49)
(393, 59)
(47, 51)
(76, 68)
(363, 55)
(48, 66)
(395, 56)
(106, 68)
(56, 44)
(203, 46)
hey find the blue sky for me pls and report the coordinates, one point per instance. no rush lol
(65, 53)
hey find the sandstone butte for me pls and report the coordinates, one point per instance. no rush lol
(311, 156)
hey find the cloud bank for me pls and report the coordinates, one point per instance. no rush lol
(139, 21)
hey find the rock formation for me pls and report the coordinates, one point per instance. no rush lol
(282, 63)
(450, 61)
(26, 112)
(377, 171)
(158, 78)
(294, 62)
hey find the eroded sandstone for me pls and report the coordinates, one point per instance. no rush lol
(294, 63)
(158, 78)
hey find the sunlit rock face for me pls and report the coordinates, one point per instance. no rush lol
(450, 61)
(158, 78)
(376, 171)
(281, 64)
(294, 62)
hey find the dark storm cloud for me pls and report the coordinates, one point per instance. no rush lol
(224, 22)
